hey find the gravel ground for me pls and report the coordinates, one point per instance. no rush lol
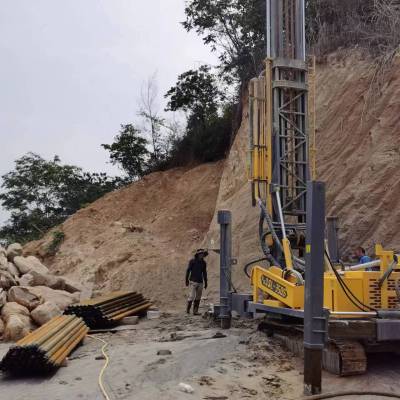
(243, 364)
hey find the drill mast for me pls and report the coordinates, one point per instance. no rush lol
(279, 114)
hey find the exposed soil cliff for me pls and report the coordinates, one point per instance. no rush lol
(141, 237)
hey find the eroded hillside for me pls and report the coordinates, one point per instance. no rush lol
(358, 156)
(359, 150)
(141, 237)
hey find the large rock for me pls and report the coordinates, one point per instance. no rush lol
(45, 312)
(51, 281)
(26, 280)
(34, 278)
(28, 264)
(71, 286)
(6, 280)
(40, 267)
(23, 295)
(14, 250)
(17, 321)
(60, 298)
(3, 297)
(13, 270)
(3, 251)
(16, 328)
(13, 309)
(22, 264)
(1, 328)
(3, 261)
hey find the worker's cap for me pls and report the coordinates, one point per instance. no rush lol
(204, 252)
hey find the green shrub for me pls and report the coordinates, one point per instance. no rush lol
(54, 246)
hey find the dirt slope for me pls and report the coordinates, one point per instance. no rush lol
(141, 236)
(358, 157)
(359, 151)
(358, 144)
(234, 195)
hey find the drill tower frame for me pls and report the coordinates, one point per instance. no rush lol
(279, 116)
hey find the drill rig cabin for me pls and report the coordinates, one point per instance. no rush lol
(361, 306)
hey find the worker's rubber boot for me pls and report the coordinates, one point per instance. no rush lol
(188, 307)
(196, 307)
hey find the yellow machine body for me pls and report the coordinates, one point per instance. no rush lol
(271, 287)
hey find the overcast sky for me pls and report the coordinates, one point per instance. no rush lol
(71, 72)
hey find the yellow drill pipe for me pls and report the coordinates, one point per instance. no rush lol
(58, 358)
(48, 345)
(38, 332)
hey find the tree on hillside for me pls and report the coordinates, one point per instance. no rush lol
(40, 194)
(209, 119)
(373, 25)
(161, 132)
(235, 29)
(129, 151)
(153, 122)
(195, 92)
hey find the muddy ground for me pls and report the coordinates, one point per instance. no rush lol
(244, 364)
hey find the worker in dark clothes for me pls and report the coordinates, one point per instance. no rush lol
(196, 277)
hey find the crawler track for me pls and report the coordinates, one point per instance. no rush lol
(340, 357)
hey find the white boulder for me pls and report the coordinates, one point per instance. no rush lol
(26, 280)
(6, 280)
(45, 312)
(3, 251)
(13, 270)
(3, 297)
(10, 309)
(51, 281)
(28, 264)
(16, 328)
(14, 250)
(17, 321)
(71, 286)
(24, 296)
(3, 261)
(60, 298)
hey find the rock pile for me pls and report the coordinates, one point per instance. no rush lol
(29, 294)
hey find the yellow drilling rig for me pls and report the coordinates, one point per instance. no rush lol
(361, 312)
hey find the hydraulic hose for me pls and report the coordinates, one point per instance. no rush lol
(349, 294)
(300, 264)
(265, 216)
(351, 393)
(248, 265)
(296, 274)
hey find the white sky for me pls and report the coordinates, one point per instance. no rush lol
(71, 72)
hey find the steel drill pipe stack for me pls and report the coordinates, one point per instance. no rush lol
(45, 349)
(106, 311)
